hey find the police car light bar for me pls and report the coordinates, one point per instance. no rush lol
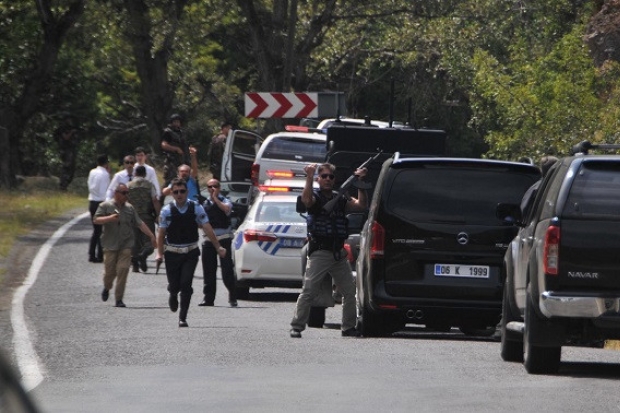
(297, 128)
(270, 188)
(280, 174)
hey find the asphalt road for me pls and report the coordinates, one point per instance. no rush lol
(94, 357)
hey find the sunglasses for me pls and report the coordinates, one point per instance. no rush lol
(213, 186)
(129, 162)
(123, 192)
(325, 176)
(179, 191)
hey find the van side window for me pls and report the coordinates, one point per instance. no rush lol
(551, 194)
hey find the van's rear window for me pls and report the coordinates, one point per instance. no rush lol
(455, 195)
(294, 149)
(595, 191)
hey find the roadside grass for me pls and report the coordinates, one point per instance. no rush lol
(36, 201)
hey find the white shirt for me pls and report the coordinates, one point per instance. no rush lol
(121, 177)
(151, 176)
(98, 182)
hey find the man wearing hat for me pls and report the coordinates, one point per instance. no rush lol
(175, 147)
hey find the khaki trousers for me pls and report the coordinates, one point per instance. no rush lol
(116, 266)
(319, 264)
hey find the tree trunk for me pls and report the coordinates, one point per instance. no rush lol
(152, 64)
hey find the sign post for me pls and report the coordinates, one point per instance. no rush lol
(294, 105)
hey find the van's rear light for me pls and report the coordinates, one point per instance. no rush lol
(551, 250)
(254, 174)
(280, 174)
(254, 235)
(378, 241)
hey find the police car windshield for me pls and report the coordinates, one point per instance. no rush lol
(278, 212)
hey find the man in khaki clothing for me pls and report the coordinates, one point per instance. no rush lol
(144, 198)
(119, 219)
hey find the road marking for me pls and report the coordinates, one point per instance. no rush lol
(27, 360)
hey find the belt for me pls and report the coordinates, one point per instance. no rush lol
(219, 237)
(180, 250)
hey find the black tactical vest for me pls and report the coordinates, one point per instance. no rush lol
(323, 225)
(182, 228)
(217, 217)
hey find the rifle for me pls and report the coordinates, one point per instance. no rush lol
(351, 181)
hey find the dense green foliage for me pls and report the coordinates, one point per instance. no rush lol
(505, 79)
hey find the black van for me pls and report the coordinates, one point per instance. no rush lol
(432, 247)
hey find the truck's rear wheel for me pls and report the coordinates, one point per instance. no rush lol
(538, 359)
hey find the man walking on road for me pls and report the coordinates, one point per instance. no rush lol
(98, 181)
(218, 208)
(177, 242)
(119, 219)
(326, 253)
(144, 198)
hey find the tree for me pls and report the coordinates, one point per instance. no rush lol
(25, 76)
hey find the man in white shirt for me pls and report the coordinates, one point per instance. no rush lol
(151, 176)
(98, 182)
(122, 177)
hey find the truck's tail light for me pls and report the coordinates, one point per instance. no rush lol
(253, 235)
(378, 241)
(551, 250)
(347, 248)
(254, 173)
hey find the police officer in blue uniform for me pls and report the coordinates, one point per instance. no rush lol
(328, 231)
(177, 243)
(218, 208)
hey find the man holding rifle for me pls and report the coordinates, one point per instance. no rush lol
(327, 229)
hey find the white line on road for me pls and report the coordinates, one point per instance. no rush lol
(27, 359)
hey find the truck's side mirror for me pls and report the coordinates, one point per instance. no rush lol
(509, 214)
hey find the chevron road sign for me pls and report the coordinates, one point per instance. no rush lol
(281, 105)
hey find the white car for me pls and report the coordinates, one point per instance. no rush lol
(266, 246)
(285, 154)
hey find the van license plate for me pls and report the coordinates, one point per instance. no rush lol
(458, 270)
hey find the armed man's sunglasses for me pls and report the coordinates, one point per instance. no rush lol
(325, 176)
(179, 191)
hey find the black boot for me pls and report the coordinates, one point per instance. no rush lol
(134, 264)
(184, 307)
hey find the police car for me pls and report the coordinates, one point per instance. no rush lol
(266, 246)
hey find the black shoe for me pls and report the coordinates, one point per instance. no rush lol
(120, 303)
(183, 323)
(233, 303)
(352, 332)
(105, 294)
(173, 302)
(98, 260)
(205, 303)
(91, 259)
(143, 265)
(135, 267)
(295, 333)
